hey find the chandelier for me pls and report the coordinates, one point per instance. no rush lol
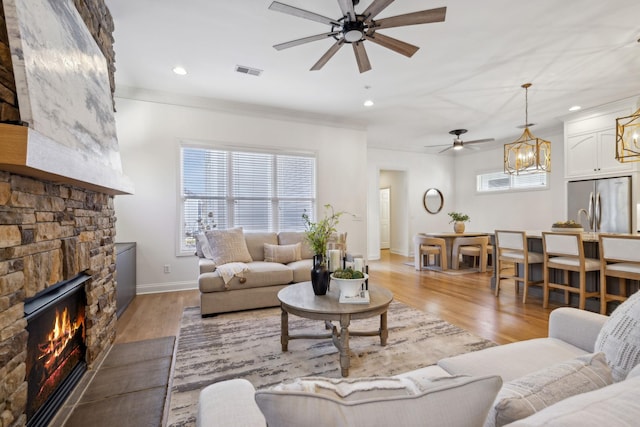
(627, 133)
(527, 154)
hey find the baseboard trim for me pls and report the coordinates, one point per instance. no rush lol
(155, 288)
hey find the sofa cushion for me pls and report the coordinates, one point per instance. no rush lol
(228, 246)
(259, 274)
(619, 338)
(527, 395)
(635, 372)
(292, 237)
(523, 357)
(255, 243)
(203, 250)
(614, 405)
(455, 401)
(301, 270)
(282, 253)
(226, 402)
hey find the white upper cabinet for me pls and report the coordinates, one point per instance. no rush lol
(590, 143)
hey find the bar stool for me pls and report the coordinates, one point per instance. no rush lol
(565, 251)
(620, 257)
(512, 248)
(424, 245)
(470, 246)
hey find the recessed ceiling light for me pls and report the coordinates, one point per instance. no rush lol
(368, 103)
(180, 71)
(575, 108)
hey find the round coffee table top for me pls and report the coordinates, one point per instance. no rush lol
(300, 296)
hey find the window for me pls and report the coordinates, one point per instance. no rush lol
(500, 181)
(259, 191)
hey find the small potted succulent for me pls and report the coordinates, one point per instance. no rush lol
(458, 219)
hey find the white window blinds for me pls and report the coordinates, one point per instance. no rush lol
(257, 191)
(500, 181)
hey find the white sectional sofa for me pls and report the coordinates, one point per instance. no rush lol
(538, 377)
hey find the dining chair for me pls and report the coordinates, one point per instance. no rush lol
(512, 249)
(565, 251)
(620, 258)
(426, 246)
(475, 247)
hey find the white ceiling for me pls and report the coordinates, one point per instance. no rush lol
(467, 74)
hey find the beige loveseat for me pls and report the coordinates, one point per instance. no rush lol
(259, 284)
(585, 373)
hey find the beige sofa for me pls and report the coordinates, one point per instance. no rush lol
(575, 386)
(259, 285)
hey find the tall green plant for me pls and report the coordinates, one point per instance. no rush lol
(318, 233)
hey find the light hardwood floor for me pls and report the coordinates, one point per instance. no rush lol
(463, 300)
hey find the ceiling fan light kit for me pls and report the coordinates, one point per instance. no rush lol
(527, 154)
(627, 138)
(355, 29)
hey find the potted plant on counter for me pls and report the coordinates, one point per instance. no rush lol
(458, 220)
(567, 226)
(318, 234)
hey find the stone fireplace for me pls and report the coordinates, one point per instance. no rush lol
(57, 222)
(56, 350)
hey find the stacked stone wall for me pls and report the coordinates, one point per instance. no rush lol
(50, 233)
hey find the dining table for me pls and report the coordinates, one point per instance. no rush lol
(450, 237)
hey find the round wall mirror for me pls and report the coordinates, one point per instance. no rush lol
(433, 200)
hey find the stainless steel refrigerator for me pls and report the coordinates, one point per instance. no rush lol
(601, 204)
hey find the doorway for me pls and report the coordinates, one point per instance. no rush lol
(393, 212)
(385, 218)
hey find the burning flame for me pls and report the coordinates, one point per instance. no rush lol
(63, 332)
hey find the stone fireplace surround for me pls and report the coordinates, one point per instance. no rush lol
(50, 232)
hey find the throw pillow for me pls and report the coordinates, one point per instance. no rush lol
(527, 395)
(459, 401)
(203, 244)
(228, 246)
(283, 254)
(619, 338)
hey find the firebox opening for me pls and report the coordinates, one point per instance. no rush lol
(55, 348)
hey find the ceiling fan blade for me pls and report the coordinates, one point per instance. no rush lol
(361, 57)
(327, 56)
(304, 40)
(301, 13)
(347, 9)
(375, 8)
(415, 18)
(448, 148)
(395, 45)
(477, 141)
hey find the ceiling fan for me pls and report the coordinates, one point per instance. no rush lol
(356, 28)
(459, 144)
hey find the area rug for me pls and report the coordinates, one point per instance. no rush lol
(247, 345)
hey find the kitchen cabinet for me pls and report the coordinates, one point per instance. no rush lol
(590, 145)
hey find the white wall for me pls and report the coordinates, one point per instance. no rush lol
(455, 177)
(422, 171)
(528, 210)
(149, 135)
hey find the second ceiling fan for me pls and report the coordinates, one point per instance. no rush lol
(459, 144)
(356, 28)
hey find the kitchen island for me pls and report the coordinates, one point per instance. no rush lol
(591, 250)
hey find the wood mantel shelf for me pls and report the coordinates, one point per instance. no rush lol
(25, 151)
